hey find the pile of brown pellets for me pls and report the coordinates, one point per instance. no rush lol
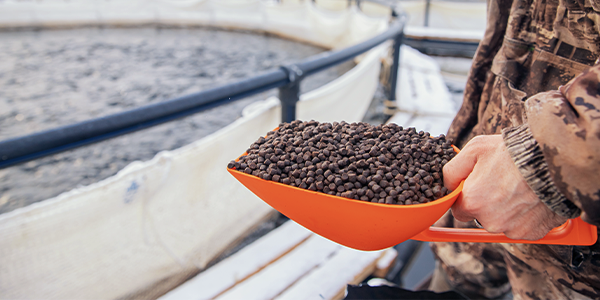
(381, 164)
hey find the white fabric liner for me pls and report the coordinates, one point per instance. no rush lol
(158, 219)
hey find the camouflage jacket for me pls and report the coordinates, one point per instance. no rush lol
(536, 79)
(530, 49)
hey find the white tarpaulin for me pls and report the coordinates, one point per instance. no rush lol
(155, 223)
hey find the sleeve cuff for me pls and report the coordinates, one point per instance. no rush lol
(529, 159)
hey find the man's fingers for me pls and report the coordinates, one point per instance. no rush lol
(459, 213)
(462, 217)
(458, 168)
(529, 233)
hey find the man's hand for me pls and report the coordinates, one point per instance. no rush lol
(495, 193)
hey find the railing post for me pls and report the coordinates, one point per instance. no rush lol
(289, 94)
(391, 105)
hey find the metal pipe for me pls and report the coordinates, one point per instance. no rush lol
(289, 94)
(398, 40)
(391, 105)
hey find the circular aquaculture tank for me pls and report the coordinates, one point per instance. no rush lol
(51, 78)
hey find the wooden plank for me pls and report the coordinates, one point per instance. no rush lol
(278, 276)
(240, 266)
(347, 266)
(385, 263)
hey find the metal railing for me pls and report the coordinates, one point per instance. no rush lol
(287, 78)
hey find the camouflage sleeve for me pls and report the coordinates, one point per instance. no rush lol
(558, 149)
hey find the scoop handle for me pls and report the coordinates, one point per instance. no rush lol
(573, 232)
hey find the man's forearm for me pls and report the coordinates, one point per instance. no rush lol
(529, 159)
(558, 150)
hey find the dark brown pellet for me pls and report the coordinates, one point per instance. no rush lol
(437, 191)
(376, 188)
(376, 178)
(331, 178)
(319, 185)
(232, 165)
(428, 193)
(370, 194)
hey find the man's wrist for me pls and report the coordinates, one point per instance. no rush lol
(529, 159)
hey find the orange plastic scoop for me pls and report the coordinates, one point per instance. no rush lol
(372, 226)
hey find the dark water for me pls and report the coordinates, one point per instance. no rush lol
(51, 78)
